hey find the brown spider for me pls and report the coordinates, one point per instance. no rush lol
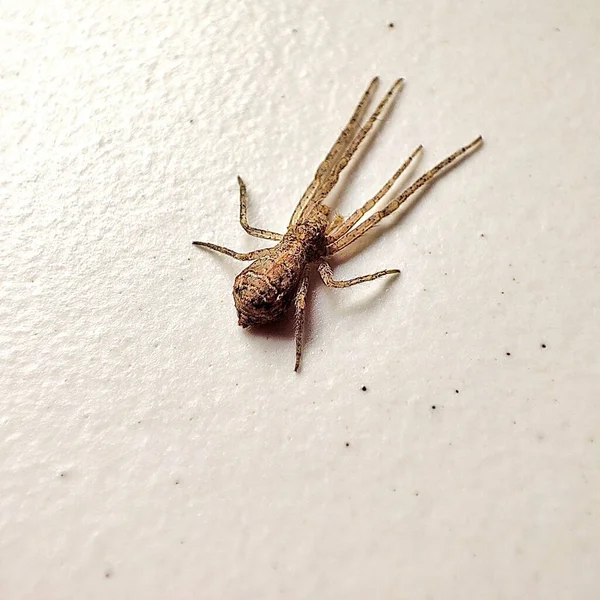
(278, 277)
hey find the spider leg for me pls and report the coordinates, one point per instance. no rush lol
(335, 223)
(259, 233)
(300, 305)
(334, 176)
(337, 232)
(334, 153)
(327, 276)
(351, 236)
(237, 255)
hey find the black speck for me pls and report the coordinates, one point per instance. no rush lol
(63, 474)
(482, 235)
(364, 388)
(294, 31)
(108, 574)
(391, 25)
(177, 482)
(456, 391)
(543, 345)
(508, 354)
(191, 120)
(433, 407)
(347, 444)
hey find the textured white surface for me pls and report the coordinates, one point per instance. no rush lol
(152, 449)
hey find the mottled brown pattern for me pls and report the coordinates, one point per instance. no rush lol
(278, 278)
(264, 291)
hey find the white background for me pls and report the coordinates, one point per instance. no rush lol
(150, 448)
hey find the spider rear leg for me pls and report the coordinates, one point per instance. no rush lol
(237, 255)
(300, 305)
(259, 233)
(327, 276)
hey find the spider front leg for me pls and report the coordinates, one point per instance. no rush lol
(340, 242)
(327, 276)
(237, 255)
(300, 305)
(259, 233)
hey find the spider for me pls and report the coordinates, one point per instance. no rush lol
(278, 276)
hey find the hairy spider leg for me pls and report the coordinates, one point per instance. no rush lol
(334, 153)
(259, 233)
(346, 225)
(326, 274)
(237, 255)
(300, 306)
(354, 234)
(333, 178)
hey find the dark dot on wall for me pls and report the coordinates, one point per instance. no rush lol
(347, 444)
(456, 391)
(364, 388)
(391, 25)
(433, 407)
(294, 31)
(508, 354)
(482, 235)
(543, 345)
(177, 482)
(108, 574)
(191, 120)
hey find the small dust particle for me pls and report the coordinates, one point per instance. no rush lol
(391, 25)
(177, 482)
(191, 120)
(433, 407)
(364, 388)
(482, 235)
(508, 354)
(108, 573)
(294, 31)
(456, 391)
(543, 345)
(347, 444)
